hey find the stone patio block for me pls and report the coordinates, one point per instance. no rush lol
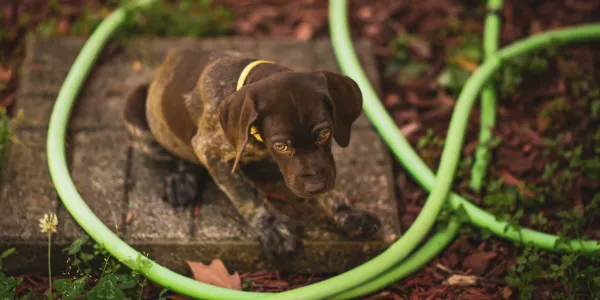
(36, 111)
(288, 52)
(46, 64)
(98, 171)
(27, 192)
(125, 188)
(152, 219)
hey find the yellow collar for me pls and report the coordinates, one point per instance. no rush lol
(240, 84)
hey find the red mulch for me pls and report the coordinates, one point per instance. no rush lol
(418, 105)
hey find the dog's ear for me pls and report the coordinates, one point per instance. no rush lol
(346, 102)
(237, 113)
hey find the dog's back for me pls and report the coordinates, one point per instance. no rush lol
(175, 106)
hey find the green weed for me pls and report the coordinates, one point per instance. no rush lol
(461, 61)
(514, 71)
(401, 64)
(112, 281)
(162, 18)
(429, 146)
(578, 272)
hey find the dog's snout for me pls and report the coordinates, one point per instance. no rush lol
(308, 177)
(314, 181)
(314, 174)
(315, 187)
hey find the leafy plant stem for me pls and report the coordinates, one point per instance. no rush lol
(142, 289)
(50, 263)
(104, 268)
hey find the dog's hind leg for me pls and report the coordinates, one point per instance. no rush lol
(183, 185)
(136, 123)
(353, 222)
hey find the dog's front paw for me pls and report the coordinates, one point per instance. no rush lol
(182, 188)
(357, 223)
(278, 239)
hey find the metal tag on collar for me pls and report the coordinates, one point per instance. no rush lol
(255, 134)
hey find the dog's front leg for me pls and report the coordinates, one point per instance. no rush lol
(276, 234)
(353, 222)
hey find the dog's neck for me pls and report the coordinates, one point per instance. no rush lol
(264, 70)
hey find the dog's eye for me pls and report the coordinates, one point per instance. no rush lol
(324, 135)
(281, 147)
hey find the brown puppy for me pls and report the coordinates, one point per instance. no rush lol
(191, 108)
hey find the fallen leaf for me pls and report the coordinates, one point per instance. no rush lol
(466, 64)
(365, 13)
(443, 268)
(372, 30)
(136, 66)
(420, 46)
(507, 292)
(197, 209)
(478, 262)
(581, 5)
(128, 217)
(215, 274)
(391, 99)
(63, 26)
(512, 180)
(5, 74)
(304, 31)
(460, 280)
(410, 128)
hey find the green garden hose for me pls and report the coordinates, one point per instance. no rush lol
(441, 239)
(488, 98)
(382, 264)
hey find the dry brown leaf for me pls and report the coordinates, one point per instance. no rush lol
(507, 292)
(391, 99)
(136, 66)
(410, 128)
(304, 31)
(215, 274)
(461, 280)
(444, 268)
(128, 217)
(512, 180)
(5, 74)
(365, 13)
(466, 64)
(478, 262)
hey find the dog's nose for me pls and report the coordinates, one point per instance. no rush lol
(315, 181)
(314, 174)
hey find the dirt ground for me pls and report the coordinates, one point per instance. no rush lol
(545, 167)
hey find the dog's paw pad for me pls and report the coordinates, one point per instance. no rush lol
(279, 241)
(357, 223)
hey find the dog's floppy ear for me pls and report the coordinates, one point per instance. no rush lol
(346, 102)
(237, 113)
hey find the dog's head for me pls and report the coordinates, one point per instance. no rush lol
(297, 115)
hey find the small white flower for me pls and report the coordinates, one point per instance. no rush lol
(49, 223)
